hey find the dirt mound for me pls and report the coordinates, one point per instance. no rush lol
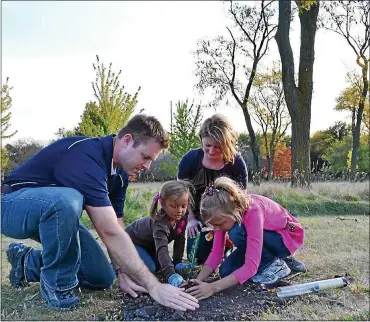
(245, 302)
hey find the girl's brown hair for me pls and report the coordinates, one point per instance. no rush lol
(219, 129)
(169, 189)
(224, 199)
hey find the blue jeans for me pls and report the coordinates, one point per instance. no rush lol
(273, 247)
(149, 259)
(70, 254)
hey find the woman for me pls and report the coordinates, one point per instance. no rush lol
(217, 157)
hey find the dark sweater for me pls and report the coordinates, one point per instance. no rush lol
(191, 168)
(155, 235)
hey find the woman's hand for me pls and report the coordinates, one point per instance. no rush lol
(201, 290)
(194, 226)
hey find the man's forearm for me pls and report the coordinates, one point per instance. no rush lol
(124, 256)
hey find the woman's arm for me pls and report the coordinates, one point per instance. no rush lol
(240, 171)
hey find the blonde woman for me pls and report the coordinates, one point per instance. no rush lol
(264, 233)
(217, 157)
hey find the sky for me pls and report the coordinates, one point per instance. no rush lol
(48, 48)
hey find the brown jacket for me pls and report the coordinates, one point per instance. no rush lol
(155, 235)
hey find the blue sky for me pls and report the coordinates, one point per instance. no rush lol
(48, 48)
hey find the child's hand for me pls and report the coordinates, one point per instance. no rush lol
(201, 290)
(175, 280)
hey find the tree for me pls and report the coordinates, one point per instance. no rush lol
(322, 142)
(337, 154)
(113, 106)
(351, 20)
(367, 119)
(244, 148)
(269, 112)
(64, 133)
(228, 65)
(6, 104)
(183, 133)
(19, 152)
(298, 98)
(339, 130)
(349, 100)
(184, 130)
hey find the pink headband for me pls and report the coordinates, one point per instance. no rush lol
(156, 197)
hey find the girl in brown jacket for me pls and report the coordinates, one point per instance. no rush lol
(166, 223)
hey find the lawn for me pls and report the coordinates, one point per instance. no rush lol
(336, 219)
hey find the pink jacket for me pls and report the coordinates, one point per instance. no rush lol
(262, 213)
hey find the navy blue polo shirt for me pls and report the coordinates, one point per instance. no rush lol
(80, 162)
(117, 187)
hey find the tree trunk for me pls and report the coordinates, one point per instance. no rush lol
(298, 100)
(308, 20)
(271, 167)
(248, 122)
(357, 131)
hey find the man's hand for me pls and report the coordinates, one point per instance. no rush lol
(174, 297)
(194, 226)
(128, 286)
(201, 290)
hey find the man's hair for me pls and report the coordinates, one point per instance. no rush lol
(144, 128)
(219, 129)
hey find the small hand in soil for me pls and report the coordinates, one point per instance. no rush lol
(200, 290)
(187, 284)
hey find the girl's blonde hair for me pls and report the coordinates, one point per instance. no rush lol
(225, 198)
(169, 189)
(219, 129)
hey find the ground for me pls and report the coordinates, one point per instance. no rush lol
(245, 302)
(333, 247)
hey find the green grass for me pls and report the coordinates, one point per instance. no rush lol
(325, 198)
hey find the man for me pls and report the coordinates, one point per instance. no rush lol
(43, 199)
(117, 188)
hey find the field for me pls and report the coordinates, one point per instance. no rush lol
(336, 218)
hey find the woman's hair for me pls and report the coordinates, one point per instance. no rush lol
(219, 129)
(176, 188)
(225, 198)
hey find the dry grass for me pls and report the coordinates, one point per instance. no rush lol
(332, 247)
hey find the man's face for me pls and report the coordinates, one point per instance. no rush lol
(133, 159)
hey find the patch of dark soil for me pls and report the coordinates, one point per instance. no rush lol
(245, 302)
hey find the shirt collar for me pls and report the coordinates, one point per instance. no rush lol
(113, 170)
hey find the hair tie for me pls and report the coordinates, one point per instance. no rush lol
(156, 197)
(210, 190)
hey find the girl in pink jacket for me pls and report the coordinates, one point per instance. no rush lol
(264, 233)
